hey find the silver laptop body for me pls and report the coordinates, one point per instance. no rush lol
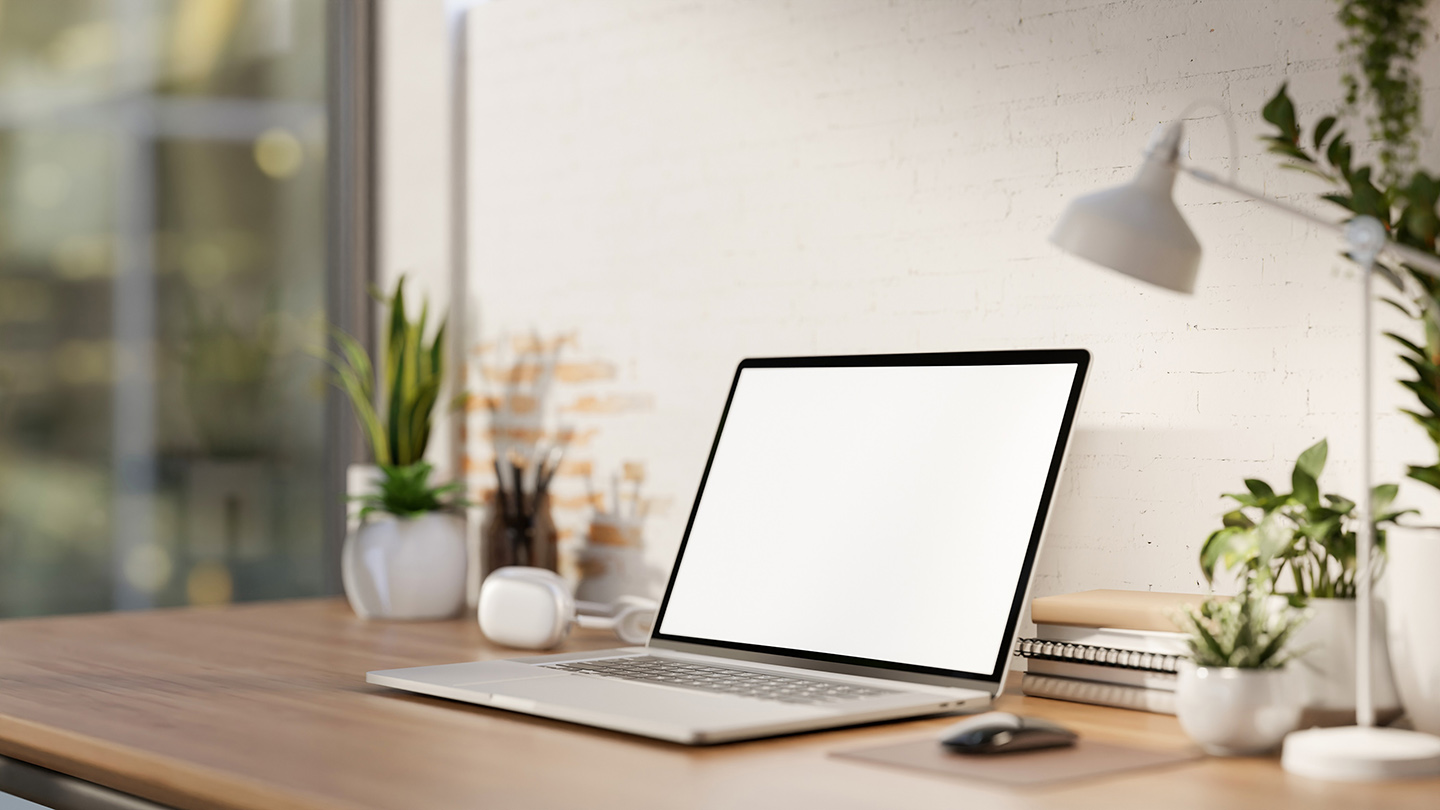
(859, 550)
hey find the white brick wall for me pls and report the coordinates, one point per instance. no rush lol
(688, 184)
(413, 162)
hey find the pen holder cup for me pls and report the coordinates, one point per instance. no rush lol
(519, 540)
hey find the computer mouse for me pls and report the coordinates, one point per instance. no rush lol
(1003, 732)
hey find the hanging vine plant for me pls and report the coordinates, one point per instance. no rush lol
(1383, 40)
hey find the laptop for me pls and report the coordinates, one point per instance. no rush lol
(859, 550)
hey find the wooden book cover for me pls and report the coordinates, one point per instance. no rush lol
(1125, 610)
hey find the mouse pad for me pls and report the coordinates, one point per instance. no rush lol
(1087, 759)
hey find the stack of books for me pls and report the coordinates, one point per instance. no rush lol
(1111, 648)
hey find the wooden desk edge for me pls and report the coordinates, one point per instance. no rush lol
(145, 775)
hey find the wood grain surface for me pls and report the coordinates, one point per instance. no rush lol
(266, 706)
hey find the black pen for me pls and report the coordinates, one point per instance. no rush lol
(518, 475)
(501, 501)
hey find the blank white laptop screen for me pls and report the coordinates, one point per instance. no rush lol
(881, 513)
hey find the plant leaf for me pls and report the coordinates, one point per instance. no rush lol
(1208, 644)
(1408, 344)
(1307, 167)
(1381, 497)
(1342, 200)
(1425, 475)
(1341, 505)
(1259, 488)
(1322, 128)
(1365, 198)
(1237, 519)
(1243, 498)
(1214, 548)
(1427, 396)
(1307, 491)
(1274, 537)
(1312, 460)
(1338, 154)
(1280, 111)
(1430, 423)
(1241, 550)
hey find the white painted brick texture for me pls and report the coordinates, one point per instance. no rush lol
(688, 184)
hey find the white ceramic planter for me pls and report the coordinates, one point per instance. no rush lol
(406, 568)
(1412, 575)
(1237, 712)
(1326, 672)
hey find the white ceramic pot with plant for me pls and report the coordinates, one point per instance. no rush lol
(1414, 621)
(1235, 696)
(406, 558)
(1302, 545)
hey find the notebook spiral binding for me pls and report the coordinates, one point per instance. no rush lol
(1103, 656)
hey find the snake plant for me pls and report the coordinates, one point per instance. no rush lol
(397, 426)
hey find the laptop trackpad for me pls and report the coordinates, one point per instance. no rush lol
(670, 707)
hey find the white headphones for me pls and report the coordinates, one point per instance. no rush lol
(532, 608)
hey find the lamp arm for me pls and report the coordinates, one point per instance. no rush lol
(1418, 258)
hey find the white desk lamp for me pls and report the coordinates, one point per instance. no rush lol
(1137, 230)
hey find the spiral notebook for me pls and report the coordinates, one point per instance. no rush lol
(1051, 650)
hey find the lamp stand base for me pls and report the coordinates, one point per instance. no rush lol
(1361, 754)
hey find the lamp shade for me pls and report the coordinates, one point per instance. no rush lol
(1135, 229)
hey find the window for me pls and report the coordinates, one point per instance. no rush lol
(166, 224)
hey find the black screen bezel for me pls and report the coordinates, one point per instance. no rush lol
(1080, 358)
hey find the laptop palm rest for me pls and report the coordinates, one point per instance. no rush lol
(645, 703)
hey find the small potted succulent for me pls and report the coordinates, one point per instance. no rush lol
(1234, 695)
(406, 557)
(1306, 543)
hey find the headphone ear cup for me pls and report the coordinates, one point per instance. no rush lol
(529, 608)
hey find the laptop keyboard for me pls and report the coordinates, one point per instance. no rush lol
(707, 678)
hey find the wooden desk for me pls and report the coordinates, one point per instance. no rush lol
(266, 706)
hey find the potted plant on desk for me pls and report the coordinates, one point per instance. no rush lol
(1235, 696)
(1304, 543)
(1384, 40)
(406, 557)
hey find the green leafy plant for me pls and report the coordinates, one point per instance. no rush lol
(406, 492)
(398, 426)
(1383, 41)
(1310, 535)
(1243, 632)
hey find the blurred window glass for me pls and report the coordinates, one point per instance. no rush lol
(162, 276)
